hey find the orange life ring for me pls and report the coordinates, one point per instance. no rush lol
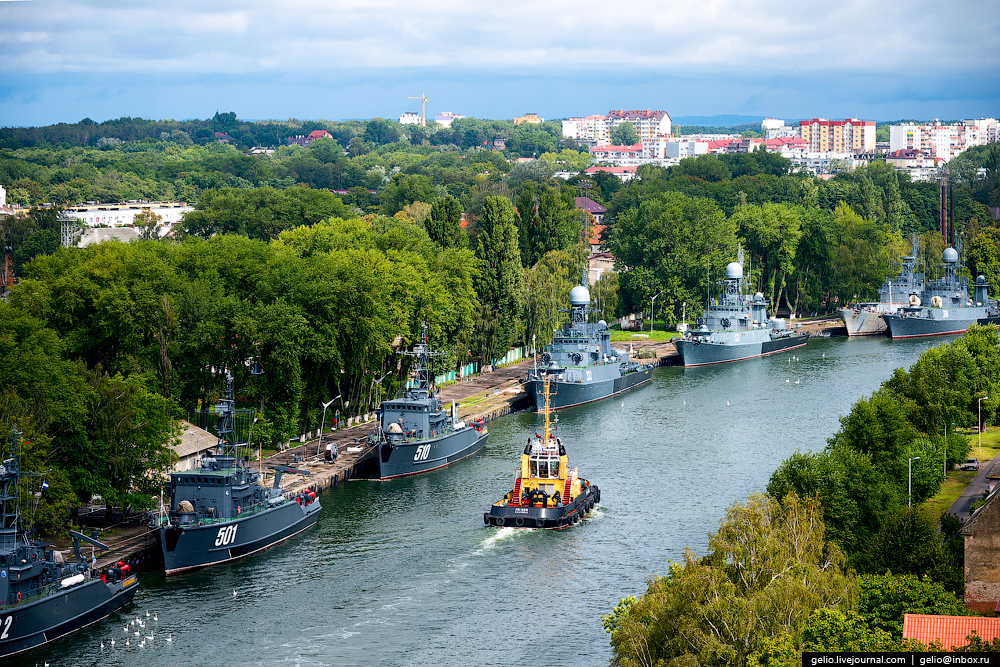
(237, 509)
(19, 596)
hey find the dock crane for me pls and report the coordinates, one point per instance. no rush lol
(423, 106)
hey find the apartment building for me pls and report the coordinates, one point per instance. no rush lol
(531, 118)
(596, 130)
(942, 141)
(840, 136)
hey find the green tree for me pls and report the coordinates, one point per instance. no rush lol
(445, 223)
(500, 285)
(771, 233)
(624, 135)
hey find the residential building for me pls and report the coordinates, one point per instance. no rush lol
(942, 141)
(982, 555)
(123, 214)
(772, 128)
(590, 130)
(446, 118)
(223, 138)
(617, 152)
(595, 210)
(647, 123)
(625, 174)
(840, 136)
(305, 140)
(411, 118)
(909, 159)
(3, 196)
(664, 147)
(528, 118)
(597, 264)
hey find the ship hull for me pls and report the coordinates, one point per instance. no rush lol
(865, 321)
(27, 626)
(552, 518)
(694, 353)
(190, 547)
(412, 457)
(569, 394)
(943, 322)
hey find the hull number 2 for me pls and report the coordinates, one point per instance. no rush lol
(423, 451)
(226, 535)
(5, 626)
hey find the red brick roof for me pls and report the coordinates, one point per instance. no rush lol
(318, 134)
(951, 631)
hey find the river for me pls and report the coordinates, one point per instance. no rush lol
(405, 573)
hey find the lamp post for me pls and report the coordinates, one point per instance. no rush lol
(981, 423)
(909, 480)
(651, 302)
(322, 423)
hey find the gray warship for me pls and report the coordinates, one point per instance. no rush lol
(736, 327)
(865, 318)
(42, 596)
(581, 364)
(220, 512)
(414, 433)
(949, 308)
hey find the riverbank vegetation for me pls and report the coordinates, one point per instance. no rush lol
(838, 521)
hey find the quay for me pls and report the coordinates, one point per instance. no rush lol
(486, 396)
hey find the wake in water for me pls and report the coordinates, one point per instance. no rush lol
(499, 536)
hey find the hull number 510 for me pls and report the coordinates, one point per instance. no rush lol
(423, 451)
(226, 535)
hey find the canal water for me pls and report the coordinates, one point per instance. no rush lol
(405, 573)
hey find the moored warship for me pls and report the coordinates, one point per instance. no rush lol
(581, 364)
(43, 597)
(414, 433)
(945, 307)
(865, 318)
(220, 512)
(735, 327)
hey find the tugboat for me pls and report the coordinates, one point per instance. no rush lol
(43, 597)
(220, 512)
(865, 319)
(546, 494)
(581, 363)
(950, 310)
(414, 434)
(734, 327)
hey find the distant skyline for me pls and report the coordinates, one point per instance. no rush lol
(65, 60)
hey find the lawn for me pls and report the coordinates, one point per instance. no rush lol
(657, 335)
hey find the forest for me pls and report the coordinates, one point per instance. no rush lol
(317, 264)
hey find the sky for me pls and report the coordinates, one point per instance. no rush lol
(65, 60)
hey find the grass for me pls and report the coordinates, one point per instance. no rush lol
(657, 335)
(957, 480)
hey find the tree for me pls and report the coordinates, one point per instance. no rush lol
(148, 224)
(767, 570)
(624, 135)
(771, 233)
(445, 223)
(500, 285)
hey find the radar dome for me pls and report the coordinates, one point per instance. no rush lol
(579, 296)
(734, 270)
(950, 255)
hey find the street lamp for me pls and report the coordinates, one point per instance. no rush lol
(981, 423)
(322, 423)
(909, 480)
(651, 302)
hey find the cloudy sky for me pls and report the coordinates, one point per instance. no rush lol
(64, 60)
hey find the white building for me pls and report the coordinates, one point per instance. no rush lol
(596, 130)
(3, 196)
(942, 141)
(121, 215)
(446, 118)
(411, 118)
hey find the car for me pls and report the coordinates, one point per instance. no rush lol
(971, 464)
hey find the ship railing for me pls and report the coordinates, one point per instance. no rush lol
(29, 596)
(206, 519)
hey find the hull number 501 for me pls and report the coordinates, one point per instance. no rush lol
(226, 535)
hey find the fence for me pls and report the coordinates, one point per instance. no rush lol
(470, 369)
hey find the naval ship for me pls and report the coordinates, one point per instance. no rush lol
(220, 512)
(43, 596)
(414, 433)
(865, 319)
(950, 309)
(735, 327)
(580, 362)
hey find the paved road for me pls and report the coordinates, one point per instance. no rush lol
(973, 492)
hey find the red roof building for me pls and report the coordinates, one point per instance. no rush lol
(950, 631)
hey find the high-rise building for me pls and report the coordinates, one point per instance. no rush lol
(596, 130)
(942, 141)
(839, 136)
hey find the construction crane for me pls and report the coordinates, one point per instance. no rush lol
(423, 106)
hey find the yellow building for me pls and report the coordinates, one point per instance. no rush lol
(528, 118)
(839, 136)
